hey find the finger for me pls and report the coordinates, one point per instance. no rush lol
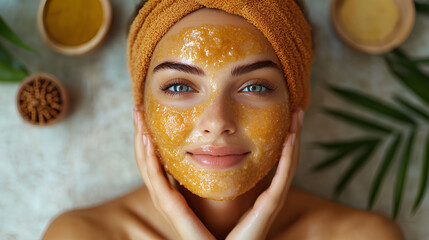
(297, 145)
(144, 170)
(138, 138)
(286, 161)
(140, 146)
(155, 171)
(282, 175)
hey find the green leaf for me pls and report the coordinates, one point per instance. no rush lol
(357, 120)
(412, 108)
(334, 159)
(422, 7)
(357, 164)
(399, 56)
(7, 33)
(414, 79)
(7, 58)
(341, 145)
(372, 104)
(423, 177)
(10, 74)
(381, 173)
(419, 61)
(402, 174)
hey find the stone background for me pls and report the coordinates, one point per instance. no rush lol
(88, 157)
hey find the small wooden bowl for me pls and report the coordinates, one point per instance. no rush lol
(42, 100)
(85, 47)
(407, 15)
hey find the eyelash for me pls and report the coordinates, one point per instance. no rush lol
(268, 87)
(177, 82)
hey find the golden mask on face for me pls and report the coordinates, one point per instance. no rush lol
(173, 128)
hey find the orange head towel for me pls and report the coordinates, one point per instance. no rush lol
(280, 21)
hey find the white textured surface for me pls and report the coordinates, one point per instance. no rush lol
(88, 158)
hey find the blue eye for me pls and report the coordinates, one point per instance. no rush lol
(255, 88)
(180, 88)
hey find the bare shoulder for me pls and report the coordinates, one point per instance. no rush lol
(76, 224)
(360, 224)
(315, 216)
(128, 217)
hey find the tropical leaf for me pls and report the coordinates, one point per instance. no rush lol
(422, 7)
(412, 108)
(8, 34)
(6, 57)
(372, 104)
(384, 167)
(341, 145)
(413, 78)
(358, 120)
(399, 56)
(357, 164)
(402, 174)
(423, 177)
(343, 149)
(10, 74)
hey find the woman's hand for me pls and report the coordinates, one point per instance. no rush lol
(256, 223)
(167, 200)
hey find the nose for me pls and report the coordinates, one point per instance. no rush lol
(217, 119)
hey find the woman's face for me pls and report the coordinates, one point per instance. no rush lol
(216, 104)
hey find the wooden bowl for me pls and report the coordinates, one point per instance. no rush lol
(79, 49)
(42, 100)
(402, 30)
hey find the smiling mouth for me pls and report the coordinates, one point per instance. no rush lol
(218, 161)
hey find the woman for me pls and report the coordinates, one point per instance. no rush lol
(220, 88)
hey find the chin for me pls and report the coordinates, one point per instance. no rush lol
(218, 184)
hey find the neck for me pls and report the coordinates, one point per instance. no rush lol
(220, 217)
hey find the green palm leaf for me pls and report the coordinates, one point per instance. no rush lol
(423, 177)
(8, 34)
(341, 145)
(412, 108)
(381, 173)
(422, 7)
(358, 120)
(10, 74)
(344, 148)
(412, 78)
(332, 160)
(357, 164)
(402, 174)
(6, 57)
(372, 104)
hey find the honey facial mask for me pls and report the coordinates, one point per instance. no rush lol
(212, 47)
(173, 127)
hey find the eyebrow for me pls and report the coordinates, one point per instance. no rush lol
(179, 67)
(252, 67)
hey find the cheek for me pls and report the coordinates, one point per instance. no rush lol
(170, 126)
(266, 127)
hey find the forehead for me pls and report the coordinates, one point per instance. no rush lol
(213, 38)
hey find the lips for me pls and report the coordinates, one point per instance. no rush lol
(218, 157)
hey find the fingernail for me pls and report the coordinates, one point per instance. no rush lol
(301, 117)
(139, 121)
(144, 139)
(291, 140)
